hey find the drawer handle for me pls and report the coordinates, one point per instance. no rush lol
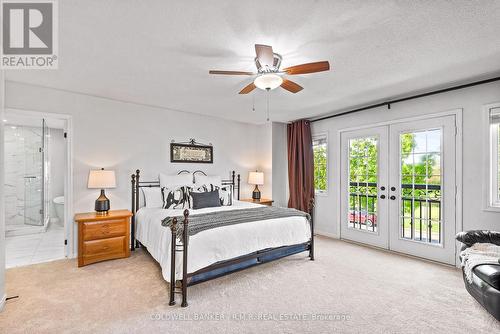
(105, 248)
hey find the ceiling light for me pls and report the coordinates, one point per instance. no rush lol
(268, 81)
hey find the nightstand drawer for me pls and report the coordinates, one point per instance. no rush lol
(104, 229)
(105, 246)
(103, 238)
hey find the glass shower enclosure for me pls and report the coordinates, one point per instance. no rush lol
(36, 179)
(27, 178)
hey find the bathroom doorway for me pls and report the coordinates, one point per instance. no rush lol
(35, 163)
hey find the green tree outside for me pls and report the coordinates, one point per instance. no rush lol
(417, 169)
(320, 163)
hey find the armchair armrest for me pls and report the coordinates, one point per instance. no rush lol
(469, 238)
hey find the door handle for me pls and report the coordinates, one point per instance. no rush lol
(393, 197)
(382, 196)
(382, 188)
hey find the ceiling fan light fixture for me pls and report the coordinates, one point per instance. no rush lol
(268, 81)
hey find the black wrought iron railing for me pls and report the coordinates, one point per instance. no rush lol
(420, 210)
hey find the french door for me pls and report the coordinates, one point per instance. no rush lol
(398, 187)
(364, 174)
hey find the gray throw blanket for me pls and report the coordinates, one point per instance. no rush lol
(207, 221)
(478, 254)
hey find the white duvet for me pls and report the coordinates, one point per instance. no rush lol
(223, 243)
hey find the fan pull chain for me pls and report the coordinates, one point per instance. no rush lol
(253, 102)
(268, 104)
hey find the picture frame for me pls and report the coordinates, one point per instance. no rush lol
(191, 153)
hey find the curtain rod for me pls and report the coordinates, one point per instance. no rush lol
(388, 103)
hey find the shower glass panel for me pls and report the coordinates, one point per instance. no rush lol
(33, 138)
(45, 172)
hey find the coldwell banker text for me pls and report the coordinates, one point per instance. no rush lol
(29, 34)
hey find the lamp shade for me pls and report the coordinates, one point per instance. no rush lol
(102, 179)
(256, 178)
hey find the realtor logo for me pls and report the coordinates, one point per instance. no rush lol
(29, 34)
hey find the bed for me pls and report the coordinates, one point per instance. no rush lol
(191, 259)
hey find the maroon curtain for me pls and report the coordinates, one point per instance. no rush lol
(300, 165)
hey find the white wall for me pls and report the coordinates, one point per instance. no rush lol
(264, 153)
(125, 137)
(470, 100)
(57, 158)
(2, 213)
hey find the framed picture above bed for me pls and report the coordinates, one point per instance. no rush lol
(191, 152)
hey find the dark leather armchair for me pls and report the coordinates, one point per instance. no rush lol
(485, 286)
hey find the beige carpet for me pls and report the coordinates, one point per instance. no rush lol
(356, 290)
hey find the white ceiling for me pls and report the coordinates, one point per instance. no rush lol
(159, 52)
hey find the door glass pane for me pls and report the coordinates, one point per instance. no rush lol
(363, 175)
(420, 180)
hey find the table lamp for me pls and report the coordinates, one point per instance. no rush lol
(256, 178)
(102, 179)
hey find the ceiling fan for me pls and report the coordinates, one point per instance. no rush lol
(269, 75)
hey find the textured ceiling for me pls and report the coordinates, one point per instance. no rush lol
(159, 52)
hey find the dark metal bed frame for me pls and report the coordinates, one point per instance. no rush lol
(217, 269)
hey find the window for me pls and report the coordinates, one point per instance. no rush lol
(320, 152)
(494, 172)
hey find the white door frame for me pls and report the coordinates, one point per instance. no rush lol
(458, 113)
(68, 175)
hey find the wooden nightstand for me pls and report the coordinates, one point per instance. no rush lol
(103, 237)
(263, 201)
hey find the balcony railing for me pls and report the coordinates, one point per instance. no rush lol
(420, 214)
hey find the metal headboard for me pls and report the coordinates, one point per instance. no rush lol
(234, 182)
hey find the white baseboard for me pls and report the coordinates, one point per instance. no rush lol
(327, 234)
(2, 302)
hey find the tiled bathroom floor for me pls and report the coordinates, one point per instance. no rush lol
(35, 248)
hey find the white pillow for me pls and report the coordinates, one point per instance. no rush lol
(201, 180)
(175, 181)
(153, 197)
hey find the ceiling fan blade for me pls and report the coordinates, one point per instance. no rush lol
(291, 86)
(319, 66)
(230, 72)
(264, 55)
(247, 88)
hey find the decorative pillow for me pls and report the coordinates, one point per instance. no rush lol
(208, 199)
(174, 181)
(153, 197)
(206, 188)
(225, 194)
(177, 198)
(200, 180)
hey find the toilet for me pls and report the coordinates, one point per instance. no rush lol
(59, 206)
